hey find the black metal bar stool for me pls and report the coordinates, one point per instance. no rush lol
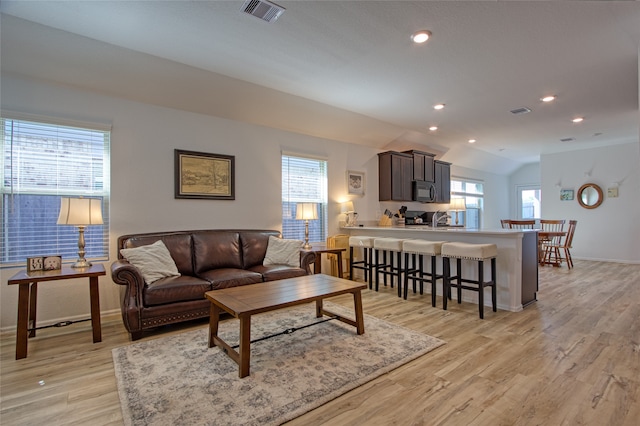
(479, 253)
(366, 264)
(391, 247)
(415, 272)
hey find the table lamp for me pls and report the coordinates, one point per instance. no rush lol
(348, 209)
(457, 205)
(306, 212)
(80, 212)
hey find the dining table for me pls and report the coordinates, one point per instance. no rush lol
(546, 237)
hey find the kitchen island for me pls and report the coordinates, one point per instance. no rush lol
(517, 261)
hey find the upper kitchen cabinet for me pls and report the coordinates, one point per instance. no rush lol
(443, 181)
(395, 174)
(423, 165)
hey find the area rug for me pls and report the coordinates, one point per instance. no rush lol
(180, 380)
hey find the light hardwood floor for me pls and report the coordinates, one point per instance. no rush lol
(572, 358)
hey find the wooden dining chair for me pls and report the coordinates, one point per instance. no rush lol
(504, 223)
(338, 241)
(522, 224)
(552, 252)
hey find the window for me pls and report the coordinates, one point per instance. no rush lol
(529, 197)
(40, 163)
(473, 194)
(304, 180)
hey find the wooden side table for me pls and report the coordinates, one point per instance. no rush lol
(322, 248)
(28, 297)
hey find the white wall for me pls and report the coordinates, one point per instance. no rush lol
(611, 231)
(142, 177)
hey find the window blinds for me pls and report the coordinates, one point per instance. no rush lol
(42, 162)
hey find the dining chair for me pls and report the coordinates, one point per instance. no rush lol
(504, 223)
(552, 252)
(338, 241)
(522, 224)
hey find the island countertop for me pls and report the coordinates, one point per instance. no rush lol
(517, 261)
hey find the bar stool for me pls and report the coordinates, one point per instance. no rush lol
(479, 252)
(421, 248)
(366, 264)
(389, 247)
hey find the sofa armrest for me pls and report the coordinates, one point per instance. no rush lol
(125, 274)
(306, 259)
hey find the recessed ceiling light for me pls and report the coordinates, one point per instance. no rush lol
(420, 36)
(578, 119)
(548, 98)
(472, 141)
(433, 128)
(438, 106)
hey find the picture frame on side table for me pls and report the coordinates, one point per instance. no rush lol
(205, 176)
(52, 263)
(35, 264)
(355, 182)
(566, 194)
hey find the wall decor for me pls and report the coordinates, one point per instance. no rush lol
(205, 176)
(566, 194)
(355, 182)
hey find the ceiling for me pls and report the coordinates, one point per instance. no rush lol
(351, 69)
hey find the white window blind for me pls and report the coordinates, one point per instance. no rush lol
(42, 162)
(304, 180)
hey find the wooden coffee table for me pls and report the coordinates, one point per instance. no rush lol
(244, 301)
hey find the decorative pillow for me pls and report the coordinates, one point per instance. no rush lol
(154, 261)
(283, 252)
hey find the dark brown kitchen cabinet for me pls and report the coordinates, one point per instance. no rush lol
(443, 181)
(423, 165)
(395, 174)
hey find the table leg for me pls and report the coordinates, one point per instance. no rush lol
(357, 302)
(339, 257)
(245, 345)
(319, 313)
(214, 320)
(317, 264)
(33, 302)
(23, 321)
(94, 294)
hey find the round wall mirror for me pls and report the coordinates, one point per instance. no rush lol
(590, 196)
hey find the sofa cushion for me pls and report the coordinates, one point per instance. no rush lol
(278, 272)
(254, 246)
(178, 244)
(283, 252)
(175, 289)
(230, 277)
(154, 261)
(214, 250)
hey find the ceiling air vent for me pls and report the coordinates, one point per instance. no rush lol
(567, 139)
(263, 9)
(519, 111)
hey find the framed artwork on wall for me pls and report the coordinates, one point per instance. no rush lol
(204, 176)
(566, 194)
(355, 182)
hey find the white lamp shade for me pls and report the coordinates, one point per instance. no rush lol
(80, 211)
(307, 211)
(457, 204)
(347, 207)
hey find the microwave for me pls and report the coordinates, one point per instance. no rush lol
(424, 191)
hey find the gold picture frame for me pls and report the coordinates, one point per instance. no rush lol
(206, 176)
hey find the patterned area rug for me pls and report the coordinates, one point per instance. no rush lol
(179, 380)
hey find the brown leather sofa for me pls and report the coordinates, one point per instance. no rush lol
(207, 260)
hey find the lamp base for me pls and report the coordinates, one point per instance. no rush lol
(81, 263)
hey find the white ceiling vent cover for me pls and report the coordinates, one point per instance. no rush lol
(263, 9)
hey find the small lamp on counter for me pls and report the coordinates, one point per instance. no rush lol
(348, 209)
(306, 212)
(457, 205)
(80, 212)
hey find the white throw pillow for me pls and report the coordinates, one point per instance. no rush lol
(283, 252)
(154, 261)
